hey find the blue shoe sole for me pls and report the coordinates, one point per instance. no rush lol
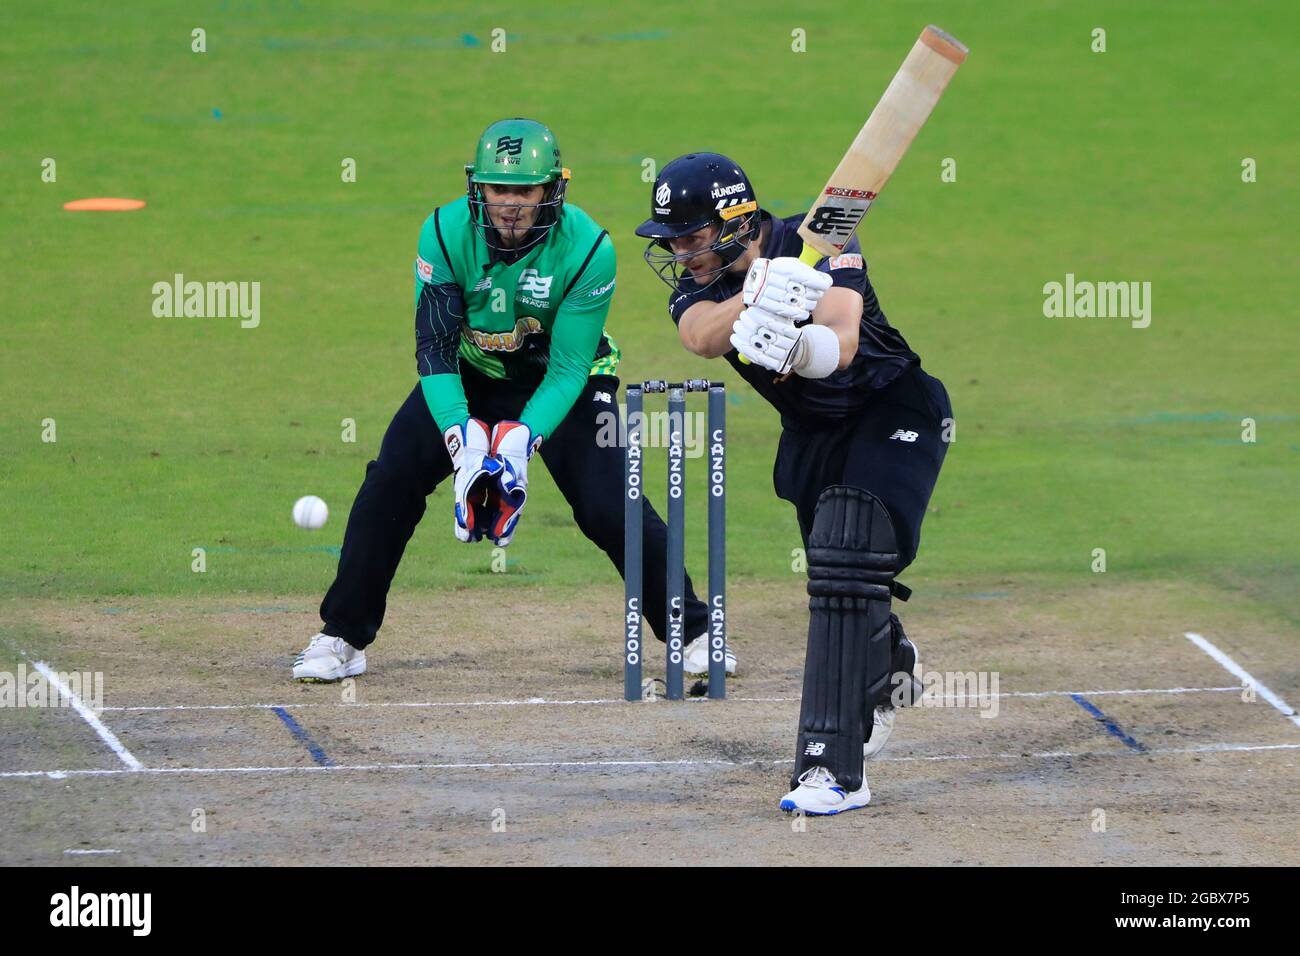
(788, 806)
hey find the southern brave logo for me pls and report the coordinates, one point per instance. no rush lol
(533, 285)
(511, 147)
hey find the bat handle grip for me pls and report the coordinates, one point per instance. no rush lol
(810, 256)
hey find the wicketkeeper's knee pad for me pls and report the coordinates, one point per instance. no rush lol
(852, 559)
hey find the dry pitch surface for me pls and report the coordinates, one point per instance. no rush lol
(511, 745)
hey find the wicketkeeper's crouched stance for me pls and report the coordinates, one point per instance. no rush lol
(511, 294)
(860, 450)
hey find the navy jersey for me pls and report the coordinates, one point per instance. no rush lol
(882, 356)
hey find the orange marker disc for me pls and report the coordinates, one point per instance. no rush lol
(103, 205)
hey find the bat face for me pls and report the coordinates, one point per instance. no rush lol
(882, 141)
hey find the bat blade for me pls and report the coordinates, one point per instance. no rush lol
(881, 143)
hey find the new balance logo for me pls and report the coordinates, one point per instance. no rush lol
(483, 284)
(902, 435)
(603, 397)
(834, 221)
(815, 748)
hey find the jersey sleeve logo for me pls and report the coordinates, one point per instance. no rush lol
(849, 260)
(423, 269)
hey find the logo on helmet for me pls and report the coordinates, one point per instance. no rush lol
(511, 147)
(663, 195)
(731, 190)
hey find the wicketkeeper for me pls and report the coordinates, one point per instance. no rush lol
(512, 289)
(861, 444)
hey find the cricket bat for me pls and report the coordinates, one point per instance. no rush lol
(880, 144)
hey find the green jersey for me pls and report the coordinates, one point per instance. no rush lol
(538, 321)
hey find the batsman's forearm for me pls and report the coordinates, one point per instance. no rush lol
(706, 327)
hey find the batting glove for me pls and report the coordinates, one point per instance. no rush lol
(784, 287)
(765, 339)
(812, 351)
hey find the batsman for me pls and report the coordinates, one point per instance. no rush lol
(862, 441)
(512, 290)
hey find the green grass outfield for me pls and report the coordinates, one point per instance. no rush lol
(1072, 434)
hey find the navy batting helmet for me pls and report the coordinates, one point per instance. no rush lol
(693, 192)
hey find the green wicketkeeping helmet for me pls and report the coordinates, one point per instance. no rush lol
(516, 152)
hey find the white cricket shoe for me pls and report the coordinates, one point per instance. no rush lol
(882, 725)
(820, 795)
(328, 659)
(695, 659)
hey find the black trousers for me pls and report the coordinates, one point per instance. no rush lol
(413, 461)
(893, 449)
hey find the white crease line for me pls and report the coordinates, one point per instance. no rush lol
(1240, 672)
(89, 852)
(528, 701)
(1103, 693)
(89, 717)
(600, 764)
(541, 701)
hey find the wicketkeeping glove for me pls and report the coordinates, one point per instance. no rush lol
(784, 287)
(475, 478)
(512, 445)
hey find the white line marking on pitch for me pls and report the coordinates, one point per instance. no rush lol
(1232, 667)
(89, 717)
(605, 764)
(89, 852)
(541, 701)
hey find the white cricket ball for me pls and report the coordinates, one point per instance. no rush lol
(310, 512)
